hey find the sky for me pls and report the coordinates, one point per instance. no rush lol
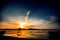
(42, 13)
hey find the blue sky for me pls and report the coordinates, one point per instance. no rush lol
(16, 9)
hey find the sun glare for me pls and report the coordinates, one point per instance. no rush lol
(22, 25)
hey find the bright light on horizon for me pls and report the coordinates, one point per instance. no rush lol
(22, 25)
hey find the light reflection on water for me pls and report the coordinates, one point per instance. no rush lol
(27, 33)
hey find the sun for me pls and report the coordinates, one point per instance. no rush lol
(22, 25)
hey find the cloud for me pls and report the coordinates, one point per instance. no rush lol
(8, 25)
(53, 18)
(38, 24)
(44, 24)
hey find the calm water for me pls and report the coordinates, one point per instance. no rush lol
(27, 33)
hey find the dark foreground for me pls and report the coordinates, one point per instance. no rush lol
(13, 38)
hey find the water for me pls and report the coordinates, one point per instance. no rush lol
(27, 33)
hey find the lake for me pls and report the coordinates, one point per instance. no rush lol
(38, 34)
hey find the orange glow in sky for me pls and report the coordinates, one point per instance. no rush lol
(30, 24)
